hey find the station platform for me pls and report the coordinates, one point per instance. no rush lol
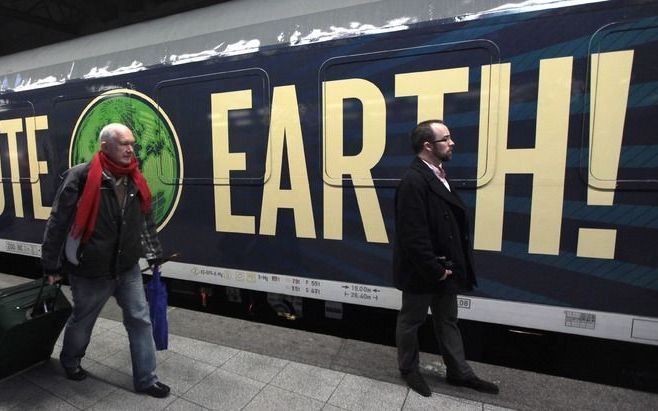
(214, 362)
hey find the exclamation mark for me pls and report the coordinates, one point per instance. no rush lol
(611, 76)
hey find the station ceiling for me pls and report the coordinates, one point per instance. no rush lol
(28, 24)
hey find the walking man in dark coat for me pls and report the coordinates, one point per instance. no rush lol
(99, 226)
(432, 259)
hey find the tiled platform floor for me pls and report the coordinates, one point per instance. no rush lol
(208, 376)
(217, 362)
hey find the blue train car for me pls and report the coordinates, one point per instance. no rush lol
(273, 166)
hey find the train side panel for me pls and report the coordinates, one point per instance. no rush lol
(275, 171)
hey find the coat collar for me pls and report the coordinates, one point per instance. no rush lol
(435, 185)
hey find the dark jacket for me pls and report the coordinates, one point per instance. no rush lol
(430, 222)
(120, 237)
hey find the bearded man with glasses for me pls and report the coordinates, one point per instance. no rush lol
(432, 259)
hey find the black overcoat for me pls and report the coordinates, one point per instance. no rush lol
(430, 222)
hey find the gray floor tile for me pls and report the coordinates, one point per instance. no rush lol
(105, 344)
(163, 355)
(491, 407)
(439, 402)
(273, 398)
(59, 341)
(112, 311)
(121, 400)
(199, 350)
(45, 401)
(307, 380)
(107, 324)
(255, 366)
(181, 404)
(81, 394)
(355, 356)
(97, 330)
(110, 376)
(359, 393)
(224, 390)
(329, 407)
(181, 373)
(120, 329)
(295, 345)
(16, 390)
(121, 360)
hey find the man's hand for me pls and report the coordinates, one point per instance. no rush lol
(154, 263)
(52, 279)
(446, 274)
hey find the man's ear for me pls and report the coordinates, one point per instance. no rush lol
(427, 146)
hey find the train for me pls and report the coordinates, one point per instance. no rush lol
(273, 137)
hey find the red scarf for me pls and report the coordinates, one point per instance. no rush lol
(90, 200)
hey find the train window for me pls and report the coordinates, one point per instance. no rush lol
(230, 145)
(19, 161)
(620, 149)
(371, 101)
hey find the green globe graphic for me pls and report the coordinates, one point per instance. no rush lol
(155, 145)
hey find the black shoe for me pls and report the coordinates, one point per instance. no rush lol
(157, 390)
(475, 383)
(75, 374)
(416, 382)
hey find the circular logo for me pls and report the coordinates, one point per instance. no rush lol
(156, 144)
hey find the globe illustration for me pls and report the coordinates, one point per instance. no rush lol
(155, 144)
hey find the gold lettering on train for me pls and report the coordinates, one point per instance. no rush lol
(10, 128)
(286, 132)
(546, 162)
(359, 166)
(225, 161)
(610, 80)
(32, 125)
(431, 87)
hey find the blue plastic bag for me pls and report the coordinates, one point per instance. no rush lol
(156, 294)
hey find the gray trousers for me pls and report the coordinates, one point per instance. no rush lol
(444, 318)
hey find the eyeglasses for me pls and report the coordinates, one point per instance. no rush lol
(443, 140)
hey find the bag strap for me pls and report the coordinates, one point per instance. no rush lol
(38, 302)
(156, 273)
(161, 261)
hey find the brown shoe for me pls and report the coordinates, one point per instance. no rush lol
(416, 382)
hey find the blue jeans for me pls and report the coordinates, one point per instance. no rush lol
(89, 297)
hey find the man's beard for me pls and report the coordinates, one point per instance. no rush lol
(443, 157)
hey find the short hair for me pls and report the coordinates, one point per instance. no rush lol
(110, 131)
(421, 133)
